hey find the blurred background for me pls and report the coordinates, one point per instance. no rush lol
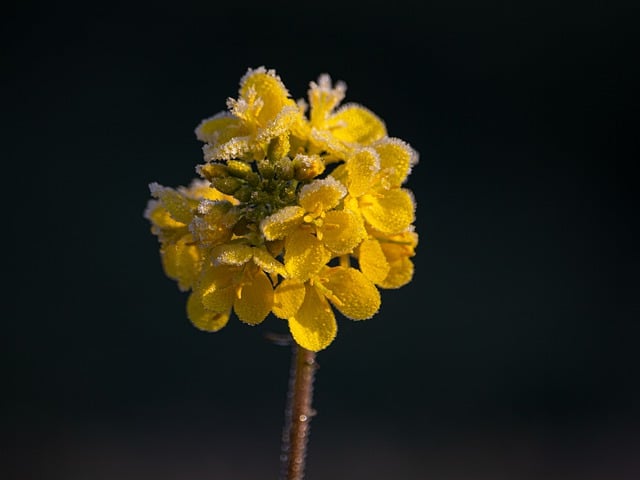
(513, 353)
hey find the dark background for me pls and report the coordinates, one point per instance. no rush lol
(513, 353)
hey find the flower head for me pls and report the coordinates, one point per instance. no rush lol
(295, 214)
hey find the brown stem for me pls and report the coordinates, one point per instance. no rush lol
(298, 415)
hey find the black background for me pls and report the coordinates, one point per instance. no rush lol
(513, 353)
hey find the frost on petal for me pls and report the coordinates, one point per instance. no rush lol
(269, 88)
(390, 212)
(204, 319)
(358, 298)
(355, 124)
(372, 261)
(396, 160)
(342, 231)
(217, 129)
(181, 262)
(314, 325)
(288, 297)
(235, 147)
(321, 195)
(282, 223)
(362, 169)
(278, 125)
(323, 140)
(304, 255)
(217, 287)
(159, 216)
(263, 259)
(324, 98)
(255, 299)
(177, 204)
(232, 254)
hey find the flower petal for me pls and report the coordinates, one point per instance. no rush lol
(232, 254)
(314, 326)
(181, 262)
(218, 129)
(342, 231)
(218, 287)
(396, 160)
(357, 297)
(269, 88)
(400, 273)
(255, 300)
(362, 169)
(372, 261)
(321, 195)
(390, 211)
(202, 318)
(263, 259)
(281, 223)
(323, 98)
(304, 255)
(355, 124)
(177, 204)
(287, 299)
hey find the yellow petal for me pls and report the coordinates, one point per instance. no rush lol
(400, 273)
(159, 216)
(177, 204)
(372, 261)
(314, 326)
(256, 298)
(288, 297)
(396, 160)
(181, 262)
(217, 129)
(356, 124)
(323, 98)
(282, 223)
(323, 140)
(321, 195)
(232, 254)
(202, 318)
(357, 297)
(362, 169)
(269, 89)
(342, 231)
(304, 255)
(217, 287)
(389, 211)
(263, 259)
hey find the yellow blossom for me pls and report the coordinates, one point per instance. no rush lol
(339, 130)
(314, 230)
(306, 305)
(295, 216)
(263, 111)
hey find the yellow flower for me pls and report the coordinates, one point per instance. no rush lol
(314, 231)
(266, 230)
(306, 305)
(386, 259)
(339, 131)
(373, 176)
(262, 112)
(170, 216)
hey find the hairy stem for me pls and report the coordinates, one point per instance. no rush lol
(298, 415)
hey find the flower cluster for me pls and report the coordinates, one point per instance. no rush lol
(294, 213)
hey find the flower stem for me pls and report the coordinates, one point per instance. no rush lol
(298, 414)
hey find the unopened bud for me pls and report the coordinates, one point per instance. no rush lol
(209, 171)
(226, 185)
(307, 167)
